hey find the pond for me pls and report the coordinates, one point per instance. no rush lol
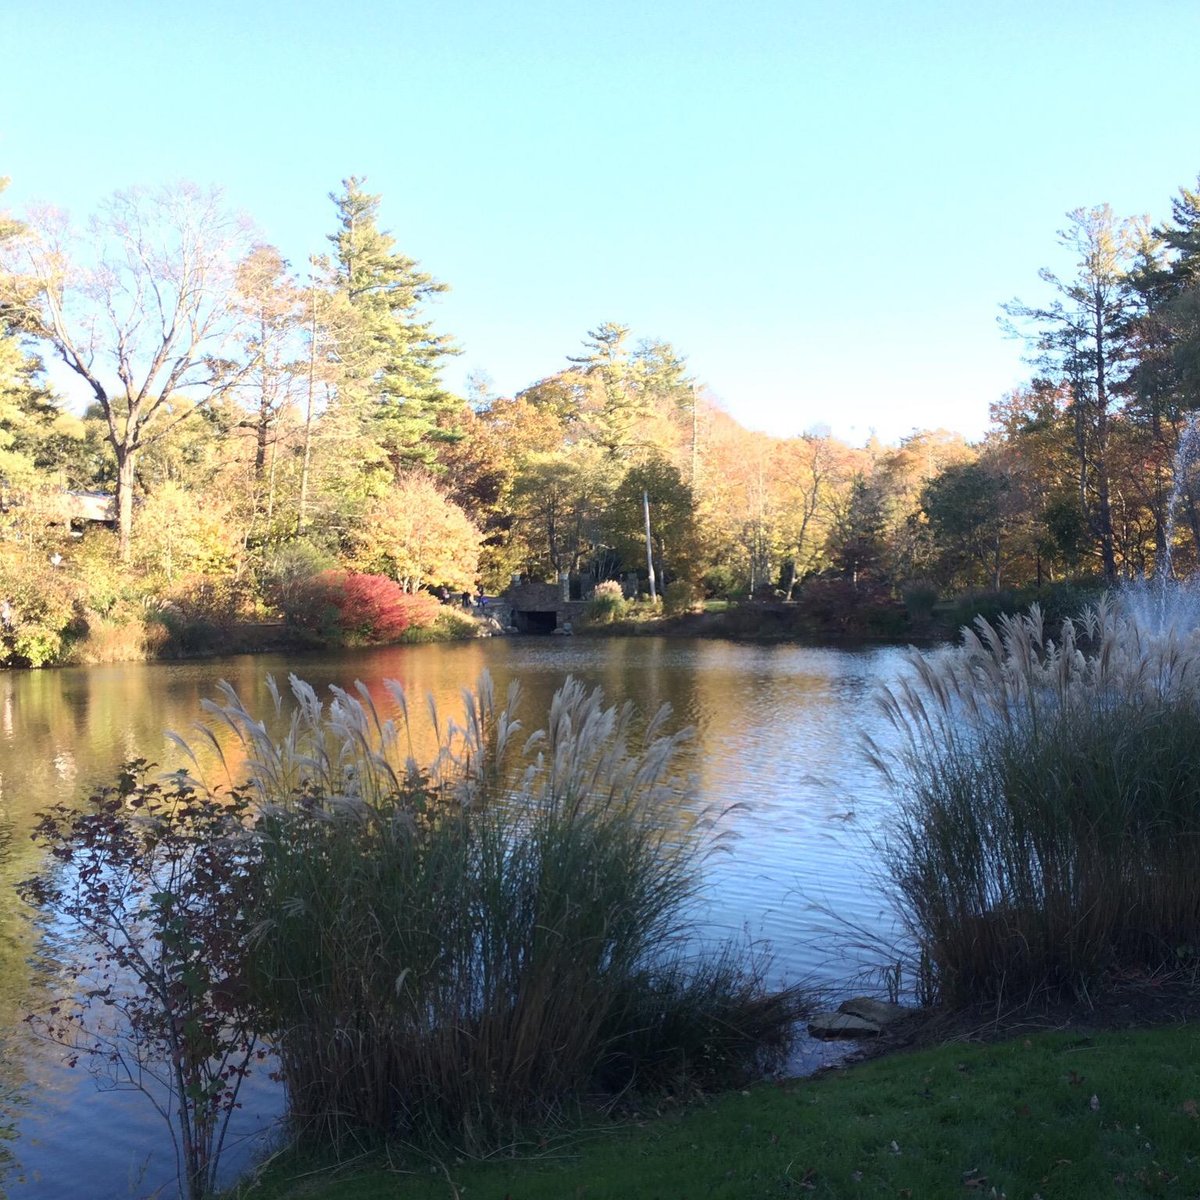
(777, 748)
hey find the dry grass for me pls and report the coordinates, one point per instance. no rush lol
(1049, 805)
(456, 948)
(108, 641)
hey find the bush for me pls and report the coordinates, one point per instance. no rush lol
(41, 606)
(153, 879)
(725, 583)
(453, 625)
(451, 952)
(680, 596)
(1049, 823)
(360, 609)
(608, 603)
(287, 575)
(112, 639)
(920, 598)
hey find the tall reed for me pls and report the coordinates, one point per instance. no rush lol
(1048, 792)
(455, 948)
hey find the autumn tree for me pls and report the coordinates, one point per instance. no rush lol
(857, 543)
(559, 498)
(1084, 337)
(272, 347)
(418, 537)
(140, 308)
(673, 529)
(813, 469)
(1032, 435)
(965, 508)
(480, 470)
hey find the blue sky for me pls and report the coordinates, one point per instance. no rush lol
(820, 204)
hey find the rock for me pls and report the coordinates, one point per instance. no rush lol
(842, 1025)
(879, 1012)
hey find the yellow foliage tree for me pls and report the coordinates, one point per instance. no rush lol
(418, 537)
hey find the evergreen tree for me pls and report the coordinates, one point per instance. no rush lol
(27, 409)
(858, 544)
(391, 355)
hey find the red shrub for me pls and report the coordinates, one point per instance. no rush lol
(369, 608)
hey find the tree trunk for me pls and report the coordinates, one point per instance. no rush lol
(125, 477)
(649, 547)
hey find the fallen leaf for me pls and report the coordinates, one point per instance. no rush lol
(1074, 1078)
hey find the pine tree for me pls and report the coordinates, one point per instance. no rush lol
(26, 406)
(1085, 338)
(392, 355)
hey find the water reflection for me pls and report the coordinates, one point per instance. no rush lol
(778, 744)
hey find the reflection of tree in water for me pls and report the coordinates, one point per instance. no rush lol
(15, 947)
(768, 729)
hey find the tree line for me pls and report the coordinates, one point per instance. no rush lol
(258, 423)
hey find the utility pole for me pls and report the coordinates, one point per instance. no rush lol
(308, 413)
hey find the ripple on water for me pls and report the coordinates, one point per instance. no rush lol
(777, 744)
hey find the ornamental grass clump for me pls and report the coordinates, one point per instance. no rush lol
(455, 949)
(608, 603)
(1048, 825)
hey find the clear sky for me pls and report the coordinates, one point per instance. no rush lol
(821, 204)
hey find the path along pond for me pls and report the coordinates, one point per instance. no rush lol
(778, 742)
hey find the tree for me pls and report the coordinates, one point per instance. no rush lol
(272, 348)
(157, 878)
(615, 405)
(1165, 381)
(479, 470)
(140, 309)
(1084, 338)
(672, 519)
(811, 468)
(392, 355)
(559, 497)
(26, 406)
(1032, 437)
(857, 542)
(965, 508)
(418, 537)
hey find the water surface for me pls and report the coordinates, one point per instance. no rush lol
(777, 748)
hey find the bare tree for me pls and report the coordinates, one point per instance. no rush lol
(140, 307)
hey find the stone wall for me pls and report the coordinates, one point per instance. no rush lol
(540, 608)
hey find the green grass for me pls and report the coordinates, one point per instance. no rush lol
(957, 1122)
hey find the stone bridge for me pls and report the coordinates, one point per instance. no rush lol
(542, 608)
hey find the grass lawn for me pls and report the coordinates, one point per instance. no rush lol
(1060, 1116)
